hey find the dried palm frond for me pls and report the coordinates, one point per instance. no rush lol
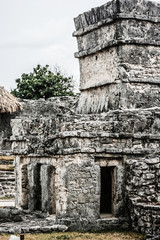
(8, 103)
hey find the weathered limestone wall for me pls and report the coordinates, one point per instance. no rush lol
(145, 219)
(76, 146)
(119, 56)
(89, 133)
(10, 215)
(123, 77)
(77, 190)
(61, 144)
(68, 143)
(116, 9)
(12, 133)
(7, 177)
(142, 177)
(76, 141)
(122, 31)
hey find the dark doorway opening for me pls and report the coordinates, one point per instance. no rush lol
(38, 188)
(41, 185)
(106, 189)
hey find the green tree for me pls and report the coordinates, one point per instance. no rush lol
(43, 83)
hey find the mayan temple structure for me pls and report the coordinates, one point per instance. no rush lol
(93, 161)
(119, 56)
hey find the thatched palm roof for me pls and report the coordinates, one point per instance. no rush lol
(8, 103)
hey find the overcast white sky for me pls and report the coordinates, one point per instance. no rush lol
(38, 32)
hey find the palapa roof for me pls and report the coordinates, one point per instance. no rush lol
(8, 103)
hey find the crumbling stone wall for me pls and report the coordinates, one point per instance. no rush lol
(64, 142)
(130, 137)
(118, 46)
(145, 218)
(142, 178)
(10, 214)
(77, 146)
(7, 177)
(128, 82)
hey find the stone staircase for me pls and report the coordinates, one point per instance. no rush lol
(7, 177)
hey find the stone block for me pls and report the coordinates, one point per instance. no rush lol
(35, 228)
(5, 213)
(46, 229)
(152, 160)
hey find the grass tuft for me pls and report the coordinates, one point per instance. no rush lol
(81, 236)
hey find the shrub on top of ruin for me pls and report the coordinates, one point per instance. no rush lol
(43, 83)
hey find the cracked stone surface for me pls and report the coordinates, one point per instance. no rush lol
(61, 144)
(32, 222)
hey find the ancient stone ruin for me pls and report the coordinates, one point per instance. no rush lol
(94, 161)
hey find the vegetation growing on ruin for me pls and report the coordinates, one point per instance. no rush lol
(43, 83)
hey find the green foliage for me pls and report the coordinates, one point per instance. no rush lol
(43, 83)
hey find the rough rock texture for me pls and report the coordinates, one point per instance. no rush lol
(119, 54)
(10, 214)
(132, 9)
(77, 146)
(131, 79)
(15, 221)
(145, 218)
(63, 145)
(7, 184)
(7, 177)
(142, 178)
(123, 31)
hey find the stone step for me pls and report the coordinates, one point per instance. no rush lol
(6, 162)
(7, 176)
(8, 168)
(6, 173)
(2, 193)
(9, 186)
(8, 193)
(7, 179)
(27, 228)
(6, 158)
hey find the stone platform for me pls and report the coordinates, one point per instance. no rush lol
(30, 223)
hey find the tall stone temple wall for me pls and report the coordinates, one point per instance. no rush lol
(119, 56)
(94, 160)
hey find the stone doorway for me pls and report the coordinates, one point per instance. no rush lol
(41, 188)
(111, 184)
(106, 199)
(38, 188)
